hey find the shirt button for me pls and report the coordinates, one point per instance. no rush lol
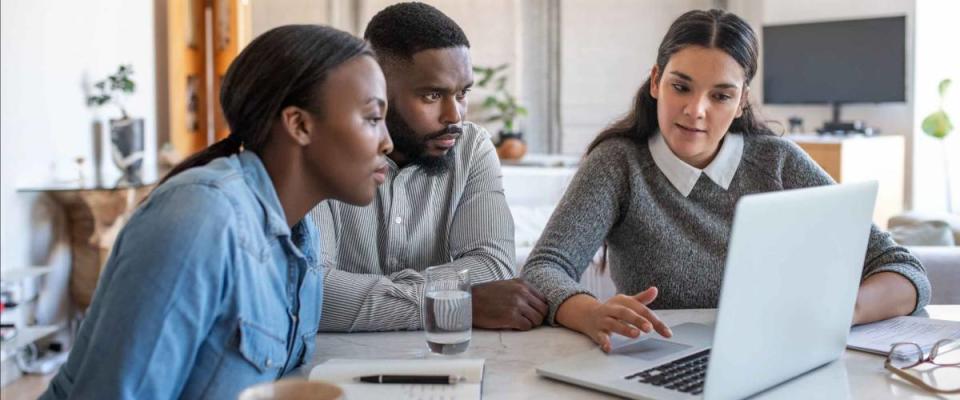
(269, 363)
(398, 220)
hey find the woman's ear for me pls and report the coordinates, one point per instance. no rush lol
(744, 101)
(296, 124)
(654, 81)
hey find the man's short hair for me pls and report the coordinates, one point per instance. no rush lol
(403, 29)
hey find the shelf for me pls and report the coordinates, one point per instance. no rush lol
(19, 274)
(24, 337)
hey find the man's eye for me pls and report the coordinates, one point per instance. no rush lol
(433, 96)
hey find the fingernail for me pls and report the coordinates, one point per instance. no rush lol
(647, 327)
(634, 332)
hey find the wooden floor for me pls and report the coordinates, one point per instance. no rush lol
(27, 387)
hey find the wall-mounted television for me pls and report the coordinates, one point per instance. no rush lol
(836, 62)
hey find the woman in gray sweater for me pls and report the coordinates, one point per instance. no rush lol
(659, 187)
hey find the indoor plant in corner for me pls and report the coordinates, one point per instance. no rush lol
(938, 125)
(503, 107)
(126, 133)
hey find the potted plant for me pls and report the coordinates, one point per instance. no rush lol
(502, 106)
(126, 133)
(938, 125)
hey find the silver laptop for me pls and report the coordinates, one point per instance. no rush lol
(793, 269)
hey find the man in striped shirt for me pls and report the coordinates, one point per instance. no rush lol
(442, 200)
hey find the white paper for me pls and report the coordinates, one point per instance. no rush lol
(878, 336)
(343, 371)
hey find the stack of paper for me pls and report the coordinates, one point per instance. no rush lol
(343, 372)
(877, 337)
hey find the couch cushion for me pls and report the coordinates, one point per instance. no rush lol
(943, 270)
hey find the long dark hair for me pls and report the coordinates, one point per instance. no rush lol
(716, 29)
(280, 68)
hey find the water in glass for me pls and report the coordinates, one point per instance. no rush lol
(447, 310)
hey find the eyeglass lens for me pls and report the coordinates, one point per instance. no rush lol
(905, 355)
(946, 352)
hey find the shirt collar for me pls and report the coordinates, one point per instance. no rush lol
(304, 235)
(256, 177)
(684, 176)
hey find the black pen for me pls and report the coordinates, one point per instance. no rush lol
(415, 379)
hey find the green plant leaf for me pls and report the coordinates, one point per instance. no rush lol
(937, 125)
(501, 82)
(486, 75)
(943, 86)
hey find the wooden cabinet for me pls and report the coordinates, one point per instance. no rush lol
(860, 158)
(202, 37)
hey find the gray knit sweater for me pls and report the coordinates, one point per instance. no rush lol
(655, 236)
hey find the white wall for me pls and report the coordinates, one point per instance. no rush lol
(936, 58)
(50, 49)
(269, 14)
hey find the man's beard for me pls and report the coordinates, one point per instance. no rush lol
(407, 142)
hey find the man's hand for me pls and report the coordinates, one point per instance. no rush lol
(509, 304)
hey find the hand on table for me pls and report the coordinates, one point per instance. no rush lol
(624, 315)
(508, 304)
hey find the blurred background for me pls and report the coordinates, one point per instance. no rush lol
(100, 96)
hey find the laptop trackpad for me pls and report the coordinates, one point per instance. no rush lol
(650, 349)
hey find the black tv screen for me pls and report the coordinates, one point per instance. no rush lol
(855, 61)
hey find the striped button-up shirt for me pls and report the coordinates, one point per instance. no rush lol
(375, 254)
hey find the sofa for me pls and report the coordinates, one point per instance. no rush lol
(533, 192)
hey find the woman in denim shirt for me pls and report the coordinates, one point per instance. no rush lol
(214, 284)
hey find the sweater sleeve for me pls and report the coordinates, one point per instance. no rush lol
(883, 254)
(593, 203)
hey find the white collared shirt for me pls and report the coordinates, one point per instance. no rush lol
(684, 176)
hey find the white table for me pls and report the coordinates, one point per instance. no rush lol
(511, 359)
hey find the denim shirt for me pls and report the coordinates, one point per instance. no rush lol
(207, 291)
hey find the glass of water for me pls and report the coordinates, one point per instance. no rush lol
(447, 309)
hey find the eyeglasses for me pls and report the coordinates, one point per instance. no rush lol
(908, 355)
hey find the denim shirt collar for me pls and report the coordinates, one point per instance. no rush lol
(304, 235)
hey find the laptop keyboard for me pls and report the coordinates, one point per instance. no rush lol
(684, 375)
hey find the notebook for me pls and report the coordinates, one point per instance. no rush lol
(877, 337)
(343, 371)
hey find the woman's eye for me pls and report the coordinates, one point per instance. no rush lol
(374, 120)
(722, 97)
(680, 88)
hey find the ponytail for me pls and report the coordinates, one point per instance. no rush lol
(224, 148)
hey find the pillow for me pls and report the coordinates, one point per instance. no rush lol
(927, 233)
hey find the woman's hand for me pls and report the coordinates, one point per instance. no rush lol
(622, 314)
